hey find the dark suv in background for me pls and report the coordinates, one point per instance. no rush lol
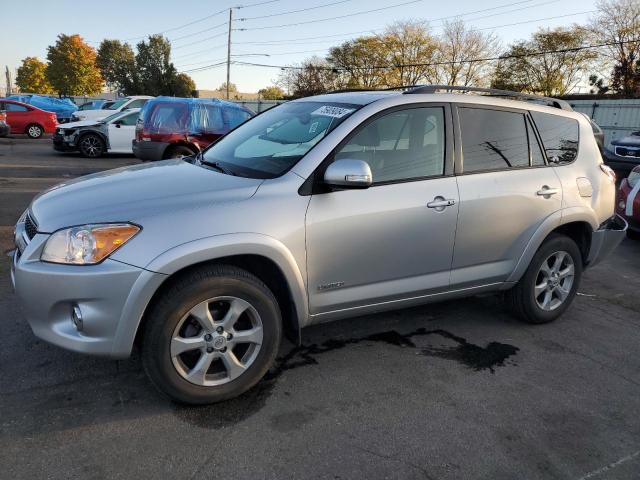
(171, 127)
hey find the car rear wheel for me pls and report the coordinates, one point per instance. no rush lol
(91, 145)
(34, 131)
(178, 152)
(550, 283)
(214, 334)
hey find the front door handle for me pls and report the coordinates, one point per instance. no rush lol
(440, 203)
(546, 191)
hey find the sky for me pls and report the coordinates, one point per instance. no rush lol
(282, 35)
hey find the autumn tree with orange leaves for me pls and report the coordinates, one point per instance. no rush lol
(72, 68)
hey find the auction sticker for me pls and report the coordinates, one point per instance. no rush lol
(331, 111)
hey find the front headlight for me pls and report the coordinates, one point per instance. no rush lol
(87, 244)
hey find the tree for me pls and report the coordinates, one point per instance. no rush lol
(32, 76)
(271, 93)
(409, 45)
(72, 68)
(458, 45)
(183, 86)
(550, 63)
(232, 87)
(312, 77)
(359, 61)
(117, 63)
(617, 24)
(157, 73)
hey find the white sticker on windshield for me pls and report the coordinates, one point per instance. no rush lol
(330, 111)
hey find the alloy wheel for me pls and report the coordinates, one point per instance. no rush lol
(91, 146)
(554, 280)
(34, 131)
(216, 341)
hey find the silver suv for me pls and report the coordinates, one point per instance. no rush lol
(319, 209)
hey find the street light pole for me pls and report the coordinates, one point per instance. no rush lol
(229, 52)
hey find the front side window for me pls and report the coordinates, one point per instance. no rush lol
(269, 144)
(403, 145)
(129, 120)
(559, 136)
(493, 139)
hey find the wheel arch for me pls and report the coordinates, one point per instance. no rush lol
(180, 143)
(263, 256)
(103, 137)
(577, 224)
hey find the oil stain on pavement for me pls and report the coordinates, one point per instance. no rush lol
(474, 357)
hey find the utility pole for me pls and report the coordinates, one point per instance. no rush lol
(229, 52)
(9, 82)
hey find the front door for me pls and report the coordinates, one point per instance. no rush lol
(394, 240)
(122, 132)
(506, 192)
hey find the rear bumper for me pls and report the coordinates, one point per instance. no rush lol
(606, 239)
(149, 150)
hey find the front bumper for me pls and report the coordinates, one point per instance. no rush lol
(111, 296)
(61, 144)
(606, 239)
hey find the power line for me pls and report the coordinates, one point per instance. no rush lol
(200, 41)
(451, 62)
(296, 11)
(198, 32)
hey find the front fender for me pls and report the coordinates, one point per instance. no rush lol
(219, 246)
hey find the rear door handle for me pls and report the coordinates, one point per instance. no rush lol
(546, 191)
(440, 203)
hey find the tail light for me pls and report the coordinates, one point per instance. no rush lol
(3, 117)
(634, 177)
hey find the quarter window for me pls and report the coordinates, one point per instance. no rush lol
(13, 107)
(402, 145)
(493, 139)
(559, 136)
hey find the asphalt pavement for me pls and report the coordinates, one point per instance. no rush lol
(454, 390)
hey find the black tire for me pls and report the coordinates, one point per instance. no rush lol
(177, 152)
(188, 291)
(91, 145)
(633, 234)
(34, 130)
(521, 298)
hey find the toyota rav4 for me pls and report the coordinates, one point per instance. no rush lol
(319, 209)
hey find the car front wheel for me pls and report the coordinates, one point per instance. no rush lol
(91, 145)
(550, 283)
(213, 335)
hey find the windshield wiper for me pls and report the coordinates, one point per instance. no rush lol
(217, 165)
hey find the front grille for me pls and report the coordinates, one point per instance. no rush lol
(627, 152)
(30, 226)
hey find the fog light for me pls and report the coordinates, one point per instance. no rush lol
(76, 317)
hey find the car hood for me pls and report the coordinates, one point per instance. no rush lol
(132, 194)
(94, 114)
(82, 123)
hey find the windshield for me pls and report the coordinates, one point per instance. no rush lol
(273, 142)
(118, 104)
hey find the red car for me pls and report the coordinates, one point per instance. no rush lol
(23, 118)
(628, 204)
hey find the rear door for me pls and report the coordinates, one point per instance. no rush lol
(506, 191)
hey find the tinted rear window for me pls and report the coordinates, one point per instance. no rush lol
(559, 136)
(493, 139)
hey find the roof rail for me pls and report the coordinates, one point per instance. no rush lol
(493, 92)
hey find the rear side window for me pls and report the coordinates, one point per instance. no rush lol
(493, 139)
(12, 107)
(235, 116)
(559, 136)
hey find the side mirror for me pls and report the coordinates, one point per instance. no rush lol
(348, 174)
(117, 123)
